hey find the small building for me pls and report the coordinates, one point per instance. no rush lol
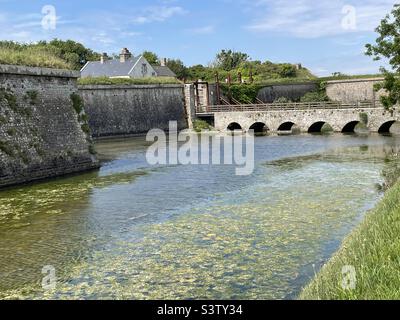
(127, 66)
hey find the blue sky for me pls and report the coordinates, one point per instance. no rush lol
(325, 36)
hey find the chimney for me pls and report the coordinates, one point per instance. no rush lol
(163, 62)
(103, 58)
(125, 55)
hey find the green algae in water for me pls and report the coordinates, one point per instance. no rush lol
(257, 242)
(32, 220)
(235, 249)
(51, 197)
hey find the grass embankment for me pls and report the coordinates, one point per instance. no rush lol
(127, 81)
(32, 57)
(348, 77)
(373, 249)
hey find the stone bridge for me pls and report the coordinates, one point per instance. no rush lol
(306, 118)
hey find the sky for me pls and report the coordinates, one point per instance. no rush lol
(325, 36)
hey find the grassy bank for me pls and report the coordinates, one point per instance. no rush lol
(127, 81)
(32, 57)
(351, 77)
(373, 249)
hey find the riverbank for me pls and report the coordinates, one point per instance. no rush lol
(373, 250)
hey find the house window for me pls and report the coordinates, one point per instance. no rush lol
(144, 69)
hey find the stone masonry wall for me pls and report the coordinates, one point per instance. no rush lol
(353, 90)
(118, 110)
(290, 91)
(190, 104)
(41, 133)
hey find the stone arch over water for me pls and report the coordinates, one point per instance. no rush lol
(234, 126)
(319, 126)
(350, 127)
(259, 127)
(385, 128)
(286, 126)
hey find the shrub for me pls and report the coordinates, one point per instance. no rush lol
(27, 112)
(39, 150)
(77, 102)
(23, 155)
(92, 149)
(83, 118)
(364, 118)
(85, 128)
(244, 93)
(314, 97)
(287, 70)
(6, 94)
(282, 100)
(6, 148)
(201, 125)
(11, 131)
(32, 96)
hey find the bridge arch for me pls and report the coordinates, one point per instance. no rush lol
(234, 126)
(385, 128)
(350, 127)
(320, 126)
(259, 128)
(286, 126)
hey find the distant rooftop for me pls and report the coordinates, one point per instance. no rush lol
(164, 71)
(126, 66)
(109, 68)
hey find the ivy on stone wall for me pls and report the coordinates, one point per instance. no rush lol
(83, 119)
(32, 96)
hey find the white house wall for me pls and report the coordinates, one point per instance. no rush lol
(136, 71)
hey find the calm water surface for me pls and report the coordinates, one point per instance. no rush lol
(131, 231)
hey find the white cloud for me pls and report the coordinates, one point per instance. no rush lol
(158, 14)
(312, 19)
(103, 38)
(202, 30)
(130, 34)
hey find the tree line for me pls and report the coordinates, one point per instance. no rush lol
(233, 64)
(228, 63)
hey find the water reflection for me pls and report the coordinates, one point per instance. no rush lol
(130, 231)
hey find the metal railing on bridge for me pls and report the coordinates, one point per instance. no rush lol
(287, 106)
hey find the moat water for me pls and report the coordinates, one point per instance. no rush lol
(131, 231)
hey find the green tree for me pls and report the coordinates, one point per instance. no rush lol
(198, 72)
(178, 67)
(229, 59)
(151, 57)
(287, 70)
(338, 74)
(73, 52)
(388, 46)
